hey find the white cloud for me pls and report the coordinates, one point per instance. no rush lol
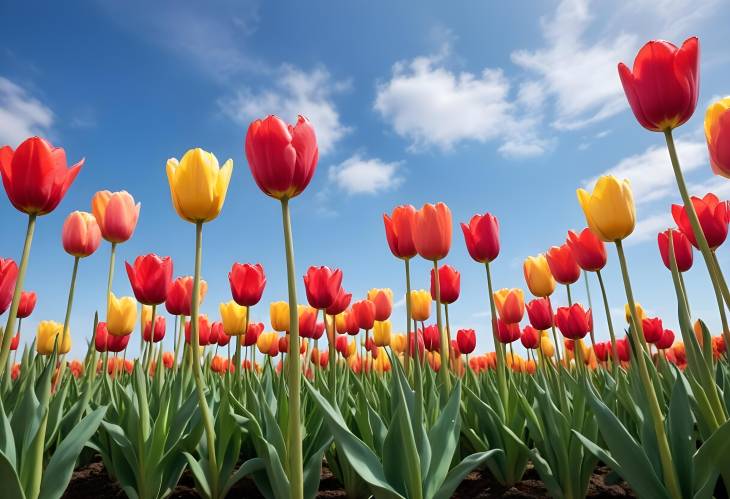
(647, 228)
(358, 175)
(294, 92)
(21, 115)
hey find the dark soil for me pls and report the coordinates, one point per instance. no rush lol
(92, 481)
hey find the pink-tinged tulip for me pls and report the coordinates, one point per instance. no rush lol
(383, 300)
(204, 330)
(717, 133)
(252, 333)
(151, 278)
(364, 313)
(220, 335)
(466, 340)
(663, 86)
(282, 157)
(322, 285)
(318, 330)
(540, 313)
(653, 329)
(562, 264)
(28, 300)
(530, 337)
(666, 341)
(482, 237)
(179, 297)
(247, 283)
(507, 333)
(432, 231)
(8, 276)
(574, 322)
(340, 304)
(588, 250)
(159, 332)
(399, 231)
(431, 338)
(116, 214)
(342, 345)
(449, 284)
(80, 235)
(682, 249)
(416, 343)
(36, 175)
(713, 216)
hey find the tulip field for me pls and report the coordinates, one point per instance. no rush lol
(352, 396)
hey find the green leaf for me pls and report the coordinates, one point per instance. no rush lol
(457, 475)
(200, 476)
(247, 468)
(444, 437)
(9, 479)
(713, 451)
(681, 425)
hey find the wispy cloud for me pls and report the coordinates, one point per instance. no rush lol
(21, 114)
(360, 175)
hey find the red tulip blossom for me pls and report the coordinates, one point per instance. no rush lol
(540, 313)
(431, 338)
(159, 331)
(151, 278)
(507, 333)
(602, 350)
(530, 337)
(340, 304)
(713, 216)
(307, 322)
(322, 285)
(666, 341)
(179, 298)
(204, 327)
(399, 231)
(682, 249)
(247, 283)
(574, 322)
(587, 249)
(383, 300)
(27, 303)
(252, 333)
(653, 329)
(8, 276)
(623, 348)
(364, 314)
(482, 237)
(432, 231)
(466, 340)
(562, 264)
(449, 284)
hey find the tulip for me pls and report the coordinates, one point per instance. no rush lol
(540, 313)
(510, 305)
(204, 331)
(587, 249)
(398, 343)
(482, 237)
(116, 214)
(640, 314)
(342, 346)
(466, 339)
(609, 209)
(507, 333)
(432, 231)
(351, 325)
(28, 300)
(653, 329)
(562, 264)
(8, 277)
(399, 231)
(624, 349)
(307, 321)
(247, 283)
(252, 334)
(717, 126)
(284, 344)
(667, 340)
(434, 361)
(383, 300)
(712, 215)
(48, 334)
(279, 316)
(159, 330)
(602, 349)
(546, 346)
(121, 315)
(530, 337)
(682, 249)
(449, 284)
(431, 337)
(420, 305)
(574, 322)
(180, 296)
(80, 235)
(322, 285)
(218, 335)
(233, 317)
(340, 304)
(538, 277)
(151, 278)
(663, 85)
(268, 344)
(104, 342)
(382, 333)
(364, 312)
(15, 342)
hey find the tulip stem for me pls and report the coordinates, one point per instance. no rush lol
(557, 344)
(614, 348)
(152, 338)
(408, 316)
(590, 307)
(669, 472)
(570, 298)
(67, 319)
(178, 342)
(501, 371)
(296, 479)
(444, 348)
(9, 330)
(332, 362)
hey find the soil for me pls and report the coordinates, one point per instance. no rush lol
(91, 481)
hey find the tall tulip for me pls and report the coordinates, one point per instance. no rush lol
(712, 215)
(562, 265)
(717, 133)
(234, 318)
(653, 329)
(540, 313)
(574, 322)
(322, 285)
(280, 316)
(50, 335)
(530, 337)
(180, 296)
(28, 300)
(81, 235)
(510, 305)
(538, 277)
(8, 277)
(247, 283)
(157, 333)
(467, 340)
(383, 301)
(449, 281)
(421, 304)
(116, 213)
(382, 331)
(682, 249)
(121, 315)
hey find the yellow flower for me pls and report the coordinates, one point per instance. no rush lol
(639, 312)
(539, 279)
(381, 363)
(266, 341)
(46, 336)
(398, 343)
(609, 209)
(279, 316)
(546, 346)
(197, 185)
(420, 305)
(121, 315)
(233, 317)
(381, 333)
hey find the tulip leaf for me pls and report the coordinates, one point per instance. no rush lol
(251, 466)
(201, 478)
(9, 479)
(444, 438)
(713, 451)
(459, 472)
(681, 425)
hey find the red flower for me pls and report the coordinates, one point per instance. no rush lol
(431, 338)
(179, 298)
(574, 322)
(221, 337)
(623, 348)
(36, 176)
(653, 329)
(151, 278)
(8, 276)
(540, 313)
(507, 333)
(322, 285)
(27, 304)
(282, 157)
(318, 330)
(352, 326)
(682, 249)
(340, 304)
(203, 331)
(562, 264)
(666, 341)
(663, 86)
(105, 342)
(252, 333)
(602, 350)
(482, 237)
(307, 322)
(449, 284)
(216, 328)
(530, 337)
(383, 300)
(466, 340)
(432, 231)
(587, 249)
(416, 338)
(247, 283)
(713, 216)
(15, 341)
(342, 345)
(159, 333)
(399, 231)
(363, 312)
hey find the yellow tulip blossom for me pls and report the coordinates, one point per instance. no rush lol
(381, 333)
(546, 346)
(639, 312)
(539, 279)
(420, 304)
(398, 343)
(121, 315)
(46, 335)
(233, 317)
(279, 316)
(609, 209)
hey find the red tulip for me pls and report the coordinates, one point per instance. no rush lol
(682, 249)
(602, 349)
(455, 348)
(562, 264)
(653, 329)
(15, 341)
(284, 345)
(587, 249)
(318, 330)
(399, 231)
(215, 328)
(431, 338)
(432, 231)
(8, 276)
(179, 298)
(340, 304)
(322, 285)
(282, 157)
(530, 337)
(352, 326)
(449, 284)
(364, 314)
(417, 338)
(36, 176)
(159, 332)
(482, 237)
(666, 341)
(27, 304)
(247, 283)
(307, 322)
(105, 342)
(151, 278)
(80, 234)
(574, 322)
(713, 216)
(342, 345)
(252, 333)
(540, 313)
(663, 86)
(507, 333)
(383, 300)
(623, 348)
(466, 340)
(222, 338)
(203, 331)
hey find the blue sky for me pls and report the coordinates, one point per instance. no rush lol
(484, 107)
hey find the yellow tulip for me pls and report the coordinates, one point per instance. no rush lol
(609, 209)
(420, 305)
(539, 279)
(279, 316)
(197, 185)
(381, 333)
(265, 341)
(639, 312)
(233, 317)
(398, 343)
(381, 363)
(46, 335)
(546, 346)
(121, 315)
(351, 348)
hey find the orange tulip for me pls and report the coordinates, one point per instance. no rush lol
(510, 305)
(432, 231)
(116, 214)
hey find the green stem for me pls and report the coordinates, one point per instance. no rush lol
(452, 357)
(408, 316)
(614, 349)
(67, 319)
(180, 336)
(332, 363)
(501, 366)
(557, 345)
(152, 338)
(570, 299)
(443, 347)
(296, 479)
(590, 306)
